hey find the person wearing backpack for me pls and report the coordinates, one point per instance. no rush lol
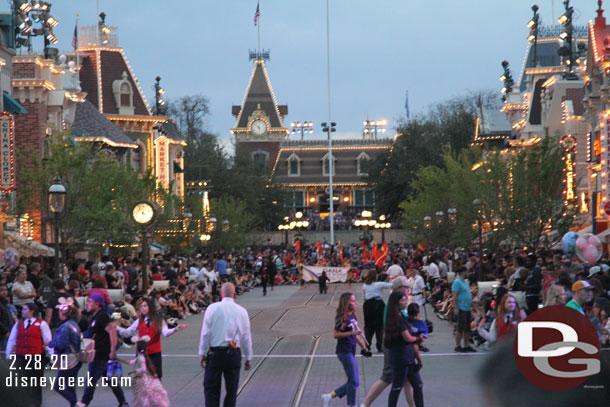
(67, 341)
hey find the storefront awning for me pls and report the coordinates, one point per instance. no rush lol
(25, 247)
(11, 105)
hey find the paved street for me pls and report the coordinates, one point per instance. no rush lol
(295, 361)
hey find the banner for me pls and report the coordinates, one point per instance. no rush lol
(334, 274)
(7, 153)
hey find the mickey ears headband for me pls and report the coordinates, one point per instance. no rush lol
(64, 303)
(136, 338)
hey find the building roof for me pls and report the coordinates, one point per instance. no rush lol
(110, 63)
(260, 92)
(90, 125)
(311, 154)
(171, 131)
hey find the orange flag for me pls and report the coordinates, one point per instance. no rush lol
(385, 251)
(319, 247)
(297, 245)
(340, 251)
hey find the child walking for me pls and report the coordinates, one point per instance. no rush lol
(347, 333)
(148, 391)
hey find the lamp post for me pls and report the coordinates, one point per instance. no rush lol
(297, 223)
(533, 26)
(477, 204)
(365, 221)
(372, 127)
(383, 226)
(186, 221)
(303, 128)
(57, 203)
(329, 129)
(159, 102)
(452, 216)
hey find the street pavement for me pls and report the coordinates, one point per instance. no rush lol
(294, 359)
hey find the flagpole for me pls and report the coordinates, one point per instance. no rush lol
(259, 28)
(77, 54)
(97, 25)
(330, 141)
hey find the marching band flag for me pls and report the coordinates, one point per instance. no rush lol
(340, 251)
(385, 250)
(257, 14)
(297, 245)
(319, 247)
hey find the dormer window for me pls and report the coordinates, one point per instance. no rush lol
(363, 161)
(123, 95)
(294, 165)
(326, 164)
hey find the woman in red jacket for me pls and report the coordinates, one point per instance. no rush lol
(151, 324)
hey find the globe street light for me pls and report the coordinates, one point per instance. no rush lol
(57, 203)
(452, 216)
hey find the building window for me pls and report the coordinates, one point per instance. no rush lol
(326, 165)
(295, 199)
(363, 162)
(123, 95)
(294, 165)
(136, 158)
(364, 197)
(259, 160)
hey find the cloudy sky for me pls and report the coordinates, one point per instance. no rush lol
(435, 49)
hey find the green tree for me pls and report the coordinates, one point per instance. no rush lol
(100, 192)
(233, 234)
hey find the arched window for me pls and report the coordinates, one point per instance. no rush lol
(123, 95)
(363, 161)
(294, 165)
(259, 160)
(326, 164)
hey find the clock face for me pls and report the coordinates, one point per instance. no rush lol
(259, 127)
(143, 213)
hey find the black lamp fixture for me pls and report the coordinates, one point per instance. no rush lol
(566, 51)
(57, 203)
(533, 35)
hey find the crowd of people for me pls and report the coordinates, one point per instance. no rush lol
(485, 296)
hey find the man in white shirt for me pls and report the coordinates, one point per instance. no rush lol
(395, 270)
(433, 271)
(417, 286)
(224, 334)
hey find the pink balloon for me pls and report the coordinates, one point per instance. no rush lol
(592, 254)
(581, 243)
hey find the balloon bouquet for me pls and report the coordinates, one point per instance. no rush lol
(11, 258)
(588, 248)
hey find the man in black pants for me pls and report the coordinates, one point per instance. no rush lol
(224, 334)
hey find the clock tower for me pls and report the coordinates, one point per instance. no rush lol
(259, 125)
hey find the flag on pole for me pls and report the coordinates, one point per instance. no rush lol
(364, 257)
(385, 251)
(319, 247)
(407, 104)
(257, 14)
(340, 252)
(75, 38)
(297, 245)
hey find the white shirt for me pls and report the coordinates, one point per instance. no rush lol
(443, 269)
(433, 271)
(417, 289)
(223, 322)
(374, 290)
(12, 339)
(133, 329)
(25, 288)
(394, 271)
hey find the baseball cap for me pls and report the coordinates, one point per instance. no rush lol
(581, 285)
(594, 270)
(398, 282)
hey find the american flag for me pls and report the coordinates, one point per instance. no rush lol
(75, 38)
(257, 14)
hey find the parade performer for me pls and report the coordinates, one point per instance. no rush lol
(151, 324)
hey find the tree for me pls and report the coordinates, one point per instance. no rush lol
(235, 233)
(100, 192)
(521, 193)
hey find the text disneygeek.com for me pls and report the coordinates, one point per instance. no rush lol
(14, 379)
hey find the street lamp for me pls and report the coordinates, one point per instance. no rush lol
(452, 216)
(383, 226)
(303, 128)
(329, 129)
(477, 204)
(440, 217)
(160, 107)
(427, 222)
(211, 224)
(372, 127)
(57, 203)
(225, 225)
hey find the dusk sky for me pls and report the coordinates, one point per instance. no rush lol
(435, 49)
